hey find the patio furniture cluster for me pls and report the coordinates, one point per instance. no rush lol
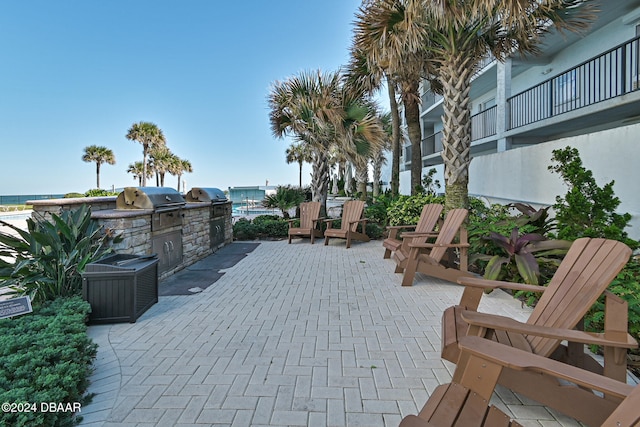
(528, 358)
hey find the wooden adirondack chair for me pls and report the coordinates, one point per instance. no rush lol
(583, 276)
(351, 217)
(465, 401)
(309, 221)
(399, 247)
(428, 258)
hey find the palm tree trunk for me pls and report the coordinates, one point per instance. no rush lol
(98, 175)
(300, 175)
(395, 139)
(320, 179)
(377, 172)
(456, 134)
(362, 176)
(145, 153)
(412, 117)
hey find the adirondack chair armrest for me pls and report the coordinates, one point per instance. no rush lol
(362, 222)
(317, 220)
(400, 227)
(329, 222)
(477, 282)
(513, 358)
(395, 229)
(502, 323)
(438, 245)
(359, 220)
(412, 234)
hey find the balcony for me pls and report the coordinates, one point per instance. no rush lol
(600, 93)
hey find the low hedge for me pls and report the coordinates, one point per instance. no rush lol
(273, 226)
(46, 358)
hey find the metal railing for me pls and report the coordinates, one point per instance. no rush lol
(483, 124)
(611, 74)
(431, 144)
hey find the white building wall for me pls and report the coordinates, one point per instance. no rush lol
(521, 174)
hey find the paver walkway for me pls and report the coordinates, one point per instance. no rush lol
(292, 335)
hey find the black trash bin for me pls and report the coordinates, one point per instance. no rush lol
(120, 287)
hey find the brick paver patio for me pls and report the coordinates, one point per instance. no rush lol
(293, 335)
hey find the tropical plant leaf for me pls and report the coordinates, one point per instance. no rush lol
(528, 267)
(492, 271)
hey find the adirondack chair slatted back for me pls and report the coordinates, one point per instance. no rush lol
(450, 227)
(428, 218)
(352, 211)
(309, 211)
(584, 274)
(427, 222)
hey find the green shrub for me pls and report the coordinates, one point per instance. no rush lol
(627, 286)
(97, 192)
(587, 210)
(262, 226)
(49, 258)
(407, 209)
(45, 357)
(272, 228)
(73, 195)
(374, 231)
(377, 209)
(243, 229)
(260, 220)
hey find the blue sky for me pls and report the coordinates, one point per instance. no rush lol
(75, 73)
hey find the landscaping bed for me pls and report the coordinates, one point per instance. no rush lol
(46, 360)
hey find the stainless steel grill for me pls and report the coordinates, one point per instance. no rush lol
(210, 195)
(157, 198)
(220, 209)
(166, 220)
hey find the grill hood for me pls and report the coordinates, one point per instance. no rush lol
(156, 198)
(210, 195)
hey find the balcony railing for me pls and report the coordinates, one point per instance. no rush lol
(483, 124)
(613, 73)
(431, 144)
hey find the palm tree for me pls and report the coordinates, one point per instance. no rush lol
(378, 159)
(179, 167)
(307, 108)
(299, 153)
(390, 34)
(360, 133)
(369, 78)
(161, 159)
(459, 35)
(137, 170)
(100, 155)
(149, 135)
(316, 109)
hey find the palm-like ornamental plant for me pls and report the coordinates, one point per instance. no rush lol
(389, 34)
(99, 155)
(47, 261)
(459, 34)
(149, 135)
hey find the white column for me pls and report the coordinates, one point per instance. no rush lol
(503, 92)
